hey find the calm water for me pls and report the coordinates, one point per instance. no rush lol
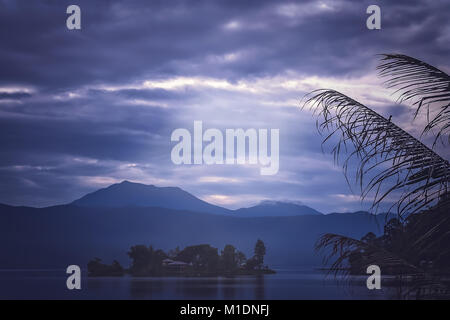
(286, 284)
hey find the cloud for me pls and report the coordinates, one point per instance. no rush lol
(82, 109)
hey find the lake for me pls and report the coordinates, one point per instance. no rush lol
(285, 284)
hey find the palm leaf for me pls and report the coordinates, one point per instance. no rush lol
(426, 86)
(344, 247)
(421, 284)
(393, 160)
(429, 233)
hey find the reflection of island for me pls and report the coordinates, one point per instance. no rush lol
(198, 260)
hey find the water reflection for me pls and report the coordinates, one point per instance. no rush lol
(192, 288)
(259, 287)
(229, 286)
(286, 284)
(198, 288)
(146, 288)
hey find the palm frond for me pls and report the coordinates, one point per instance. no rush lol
(344, 249)
(393, 160)
(422, 84)
(420, 283)
(429, 235)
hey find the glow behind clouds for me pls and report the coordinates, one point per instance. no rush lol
(83, 110)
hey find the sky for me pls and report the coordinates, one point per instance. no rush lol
(83, 109)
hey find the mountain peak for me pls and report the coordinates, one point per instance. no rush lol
(277, 208)
(132, 194)
(124, 182)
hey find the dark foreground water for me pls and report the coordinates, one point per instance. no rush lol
(286, 284)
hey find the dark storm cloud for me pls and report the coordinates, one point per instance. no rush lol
(75, 110)
(127, 41)
(152, 94)
(14, 95)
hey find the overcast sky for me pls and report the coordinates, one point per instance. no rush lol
(82, 109)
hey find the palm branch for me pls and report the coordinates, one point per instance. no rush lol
(426, 86)
(395, 161)
(343, 247)
(422, 284)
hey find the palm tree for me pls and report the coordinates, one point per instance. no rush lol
(423, 85)
(393, 164)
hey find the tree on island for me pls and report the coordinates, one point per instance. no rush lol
(257, 261)
(203, 257)
(228, 257)
(232, 259)
(240, 258)
(196, 260)
(260, 252)
(146, 260)
(96, 268)
(174, 252)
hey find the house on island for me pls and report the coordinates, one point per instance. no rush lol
(175, 266)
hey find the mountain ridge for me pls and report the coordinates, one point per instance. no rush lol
(268, 208)
(131, 194)
(67, 234)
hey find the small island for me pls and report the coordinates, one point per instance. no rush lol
(201, 260)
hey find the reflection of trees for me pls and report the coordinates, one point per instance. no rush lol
(145, 288)
(259, 288)
(197, 288)
(229, 287)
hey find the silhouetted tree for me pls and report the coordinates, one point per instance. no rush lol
(145, 260)
(199, 260)
(96, 268)
(400, 166)
(369, 238)
(203, 257)
(174, 252)
(251, 263)
(228, 258)
(260, 252)
(240, 258)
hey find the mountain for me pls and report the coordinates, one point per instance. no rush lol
(56, 237)
(269, 208)
(129, 194)
(106, 223)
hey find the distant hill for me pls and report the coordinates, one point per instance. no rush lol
(107, 222)
(129, 194)
(269, 208)
(55, 237)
